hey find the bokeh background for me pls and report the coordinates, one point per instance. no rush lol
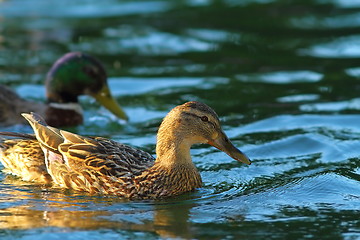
(282, 75)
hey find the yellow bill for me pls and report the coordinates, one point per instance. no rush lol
(105, 98)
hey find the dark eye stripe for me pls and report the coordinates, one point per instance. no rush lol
(194, 115)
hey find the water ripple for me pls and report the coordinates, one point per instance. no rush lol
(282, 77)
(79, 8)
(305, 121)
(344, 47)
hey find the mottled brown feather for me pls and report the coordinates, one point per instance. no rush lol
(25, 159)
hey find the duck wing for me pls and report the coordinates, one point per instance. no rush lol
(87, 163)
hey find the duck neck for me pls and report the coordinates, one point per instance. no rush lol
(172, 153)
(64, 114)
(172, 148)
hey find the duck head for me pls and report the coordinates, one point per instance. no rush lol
(76, 74)
(191, 123)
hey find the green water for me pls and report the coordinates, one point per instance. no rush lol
(284, 77)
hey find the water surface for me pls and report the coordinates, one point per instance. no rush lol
(282, 75)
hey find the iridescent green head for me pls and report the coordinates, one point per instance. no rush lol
(76, 74)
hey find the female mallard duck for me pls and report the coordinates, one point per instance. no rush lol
(72, 75)
(99, 165)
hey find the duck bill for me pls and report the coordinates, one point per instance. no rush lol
(224, 144)
(105, 98)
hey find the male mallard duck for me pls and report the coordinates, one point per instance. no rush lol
(72, 75)
(99, 165)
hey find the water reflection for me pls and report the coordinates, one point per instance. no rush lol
(172, 222)
(305, 121)
(214, 35)
(144, 41)
(352, 104)
(282, 77)
(345, 47)
(22, 208)
(336, 22)
(80, 8)
(344, 3)
(354, 72)
(298, 98)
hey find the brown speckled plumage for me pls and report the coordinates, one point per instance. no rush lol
(98, 165)
(24, 158)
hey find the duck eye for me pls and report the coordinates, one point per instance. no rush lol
(204, 118)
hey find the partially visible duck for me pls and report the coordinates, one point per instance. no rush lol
(72, 75)
(102, 166)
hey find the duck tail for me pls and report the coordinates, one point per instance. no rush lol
(47, 136)
(18, 135)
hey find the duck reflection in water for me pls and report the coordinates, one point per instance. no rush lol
(61, 209)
